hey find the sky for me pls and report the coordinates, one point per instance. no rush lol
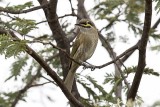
(148, 90)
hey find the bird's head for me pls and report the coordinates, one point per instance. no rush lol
(85, 23)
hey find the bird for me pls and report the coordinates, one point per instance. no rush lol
(83, 48)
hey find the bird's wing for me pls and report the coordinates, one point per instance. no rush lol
(76, 45)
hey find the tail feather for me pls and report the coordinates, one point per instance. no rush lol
(69, 81)
(70, 76)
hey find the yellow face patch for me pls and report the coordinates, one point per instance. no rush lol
(87, 25)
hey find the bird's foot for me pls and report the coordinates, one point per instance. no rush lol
(88, 65)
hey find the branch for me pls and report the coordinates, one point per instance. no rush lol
(48, 80)
(112, 54)
(64, 51)
(22, 11)
(71, 7)
(156, 24)
(123, 54)
(72, 14)
(82, 13)
(142, 51)
(111, 22)
(35, 85)
(57, 32)
(66, 15)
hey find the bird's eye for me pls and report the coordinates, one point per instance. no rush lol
(89, 23)
(83, 23)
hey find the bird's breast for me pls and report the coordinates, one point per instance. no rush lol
(90, 41)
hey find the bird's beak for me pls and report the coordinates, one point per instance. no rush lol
(77, 24)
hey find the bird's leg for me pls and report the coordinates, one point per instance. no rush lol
(88, 65)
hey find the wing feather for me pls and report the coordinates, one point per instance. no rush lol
(75, 45)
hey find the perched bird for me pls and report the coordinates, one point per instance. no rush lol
(83, 48)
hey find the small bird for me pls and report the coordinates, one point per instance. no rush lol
(83, 48)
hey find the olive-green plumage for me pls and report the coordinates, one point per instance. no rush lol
(83, 48)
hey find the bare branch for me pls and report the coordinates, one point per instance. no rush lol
(64, 51)
(48, 80)
(156, 24)
(82, 13)
(37, 85)
(72, 14)
(124, 54)
(142, 51)
(66, 15)
(112, 54)
(71, 7)
(111, 22)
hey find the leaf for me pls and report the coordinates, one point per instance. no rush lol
(17, 66)
(109, 78)
(89, 90)
(147, 71)
(23, 26)
(155, 48)
(3, 101)
(104, 96)
(99, 87)
(86, 102)
(10, 47)
(157, 7)
(20, 7)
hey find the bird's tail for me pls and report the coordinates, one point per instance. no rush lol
(70, 76)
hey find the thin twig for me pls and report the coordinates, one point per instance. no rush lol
(156, 24)
(36, 85)
(48, 80)
(72, 7)
(64, 51)
(123, 54)
(67, 15)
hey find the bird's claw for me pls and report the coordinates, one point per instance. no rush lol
(88, 65)
(84, 67)
(93, 68)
